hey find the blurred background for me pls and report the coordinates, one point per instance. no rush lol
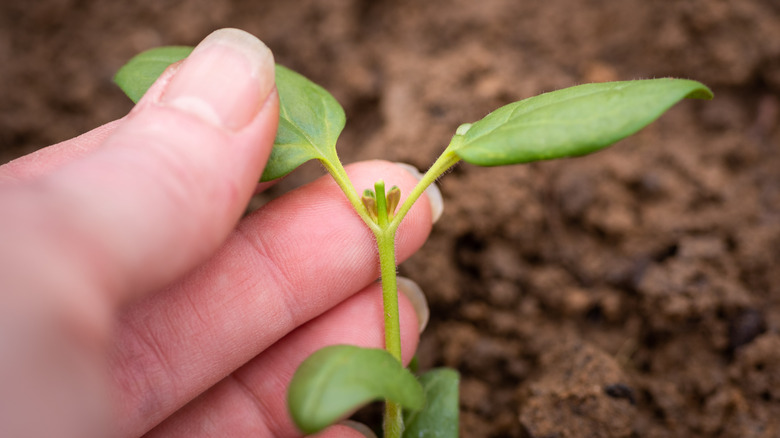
(634, 292)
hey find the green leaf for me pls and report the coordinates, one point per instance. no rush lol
(439, 417)
(135, 77)
(570, 122)
(336, 380)
(310, 119)
(310, 122)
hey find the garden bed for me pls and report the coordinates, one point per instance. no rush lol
(632, 293)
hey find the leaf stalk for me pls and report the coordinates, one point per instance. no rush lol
(445, 161)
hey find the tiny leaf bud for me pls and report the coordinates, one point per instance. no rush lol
(393, 199)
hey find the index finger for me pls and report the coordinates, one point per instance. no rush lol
(292, 260)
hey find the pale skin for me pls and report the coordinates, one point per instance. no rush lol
(135, 298)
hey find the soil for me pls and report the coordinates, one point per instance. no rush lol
(631, 293)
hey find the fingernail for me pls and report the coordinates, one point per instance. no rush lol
(225, 80)
(433, 192)
(412, 291)
(360, 427)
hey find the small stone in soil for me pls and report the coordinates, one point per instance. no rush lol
(620, 390)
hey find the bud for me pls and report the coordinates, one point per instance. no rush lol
(369, 201)
(393, 198)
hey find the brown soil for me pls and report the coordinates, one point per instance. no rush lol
(632, 293)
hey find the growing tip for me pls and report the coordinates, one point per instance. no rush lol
(393, 199)
(369, 201)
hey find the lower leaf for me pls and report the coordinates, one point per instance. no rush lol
(335, 381)
(439, 417)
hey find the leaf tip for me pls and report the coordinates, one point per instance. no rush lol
(702, 92)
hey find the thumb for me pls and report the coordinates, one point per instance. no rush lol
(171, 181)
(160, 194)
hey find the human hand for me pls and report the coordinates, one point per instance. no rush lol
(134, 300)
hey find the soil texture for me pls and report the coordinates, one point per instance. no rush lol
(631, 293)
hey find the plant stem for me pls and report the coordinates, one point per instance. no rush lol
(339, 174)
(385, 242)
(384, 230)
(386, 245)
(393, 422)
(444, 162)
(393, 425)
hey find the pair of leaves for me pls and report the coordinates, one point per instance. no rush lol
(570, 122)
(310, 119)
(339, 379)
(564, 123)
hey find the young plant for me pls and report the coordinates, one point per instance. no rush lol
(337, 380)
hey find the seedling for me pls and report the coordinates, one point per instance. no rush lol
(337, 380)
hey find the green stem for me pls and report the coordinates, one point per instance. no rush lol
(386, 245)
(394, 420)
(339, 174)
(384, 230)
(385, 240)
(444, 162)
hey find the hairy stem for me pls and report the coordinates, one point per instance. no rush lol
(393, 425)
(386, 246)
(385, 242)
(444, 162)
(393, 422)
(339, 174)
(384, 229)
